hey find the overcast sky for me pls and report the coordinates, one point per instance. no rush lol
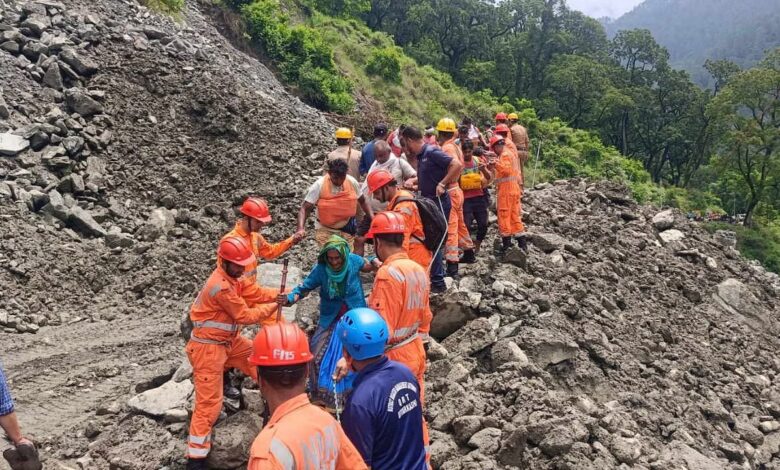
(599, 8)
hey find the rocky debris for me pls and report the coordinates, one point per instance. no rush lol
(547, 242)
(157, 401)
(671, 235)
(735, 298)
(11, 144)
(78, 62)
(232, 439)
(454, 310)
(80, 102)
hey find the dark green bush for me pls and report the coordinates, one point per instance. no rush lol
(385, 63)
(301, 54)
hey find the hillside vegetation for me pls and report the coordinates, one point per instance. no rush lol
(643, 123)
(696, 30)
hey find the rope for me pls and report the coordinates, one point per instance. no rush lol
(336, 402)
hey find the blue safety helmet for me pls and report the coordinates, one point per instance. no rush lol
(363, 332)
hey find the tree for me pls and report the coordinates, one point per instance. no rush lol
(721, 70)
(748, 113)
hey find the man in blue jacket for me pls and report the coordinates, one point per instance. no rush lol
(383, 415)
(367, 156)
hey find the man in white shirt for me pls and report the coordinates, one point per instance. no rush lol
(336, 196)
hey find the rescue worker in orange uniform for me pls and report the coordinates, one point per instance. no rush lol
(215, 344)
(255, 215)
(520, 138)
(502, 130)
(298, 435)
(501, 118)
(508, 204)
(384, 188)
(458, 237)
(400, 294)
(336, 196)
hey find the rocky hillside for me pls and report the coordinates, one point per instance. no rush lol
(624, 337)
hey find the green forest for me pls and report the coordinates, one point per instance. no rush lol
(597, 107)
(696, 30)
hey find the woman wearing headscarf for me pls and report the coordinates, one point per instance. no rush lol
(337, 275)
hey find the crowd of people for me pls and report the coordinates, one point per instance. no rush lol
(352, 395)
(422, 199)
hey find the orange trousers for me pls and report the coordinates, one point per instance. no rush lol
(458, 237)
(412, 355)
(209, 362)
(510, 222)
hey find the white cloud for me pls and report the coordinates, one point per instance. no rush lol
(599, 8)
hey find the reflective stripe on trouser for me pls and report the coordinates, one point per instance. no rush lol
(458, 237)
(412, 355)
(209, 362)
(322, 235)
(510, 221)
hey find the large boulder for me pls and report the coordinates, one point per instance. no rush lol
(547, 348)
(663, 220)
(82, 221)
(735, 298)
(671, 235)
(11, 144)
(81, 103)
(452, 311)
(157, 401)
(82, 65)
(476, 335)
(232, 439)
(547, 242)
(129, 446)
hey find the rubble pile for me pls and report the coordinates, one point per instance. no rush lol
(625, 337)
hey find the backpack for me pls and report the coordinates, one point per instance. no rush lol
(433, 221)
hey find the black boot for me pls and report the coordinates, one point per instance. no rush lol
(197, 464)
(522, 242)
(452, 270)
(469, 257)
(506, 243)
(228, 390)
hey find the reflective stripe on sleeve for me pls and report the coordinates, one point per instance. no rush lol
(199, 440)
(282, 454)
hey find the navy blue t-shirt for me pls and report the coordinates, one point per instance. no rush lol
(383, 417)
(367, 157)
(432, 164)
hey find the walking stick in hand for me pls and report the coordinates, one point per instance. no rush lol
(284, 286)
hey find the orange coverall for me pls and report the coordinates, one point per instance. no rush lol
(401, 295)
(458, 237)
(252, 292)
(414, 235)
(216, 346)
(302, 436)
(507, 181)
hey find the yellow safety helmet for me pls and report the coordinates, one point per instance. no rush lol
(343, 133)
(512, 116)
(446, 125)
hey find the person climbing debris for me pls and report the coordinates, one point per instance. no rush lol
(298, 435)
(382, 186)
(476, 176)
(215, 344)
(458, 238)
(23, 455)
(336, 196)
(345, 152)
(435, 172)
(254, 216)
(337, 275)
(383, 415)
(508, 204)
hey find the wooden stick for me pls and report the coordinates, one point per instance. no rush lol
(284, 286)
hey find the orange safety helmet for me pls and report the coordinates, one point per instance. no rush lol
(501, 117)
(377, 179)
(280, 344)
(257, 209)
(235, 250)
(386, 222)
(496, 140)
(502, 128)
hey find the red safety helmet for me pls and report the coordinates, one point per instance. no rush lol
(501, 117)
(235, 250)
(502, 128)
(257, 209)
(496, 140)
(280, 344)
(377, 179)
(386, 222)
